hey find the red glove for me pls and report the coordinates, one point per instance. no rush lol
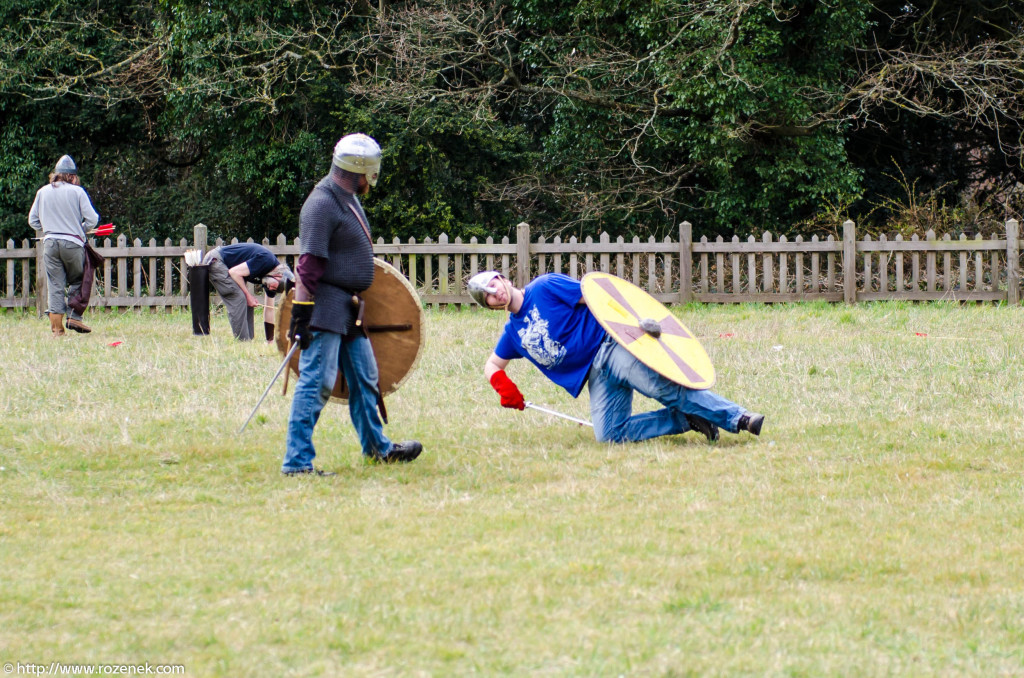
(509, 392)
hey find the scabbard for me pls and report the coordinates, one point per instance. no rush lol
(360, 306)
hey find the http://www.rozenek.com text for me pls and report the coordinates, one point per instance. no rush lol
(62, 669)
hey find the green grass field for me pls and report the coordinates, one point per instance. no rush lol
(876, 528)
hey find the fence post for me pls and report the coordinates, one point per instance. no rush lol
(685, 262)
(199, 237)
(42, 293)
(522, 254)
(849, 262)
(1012, 262)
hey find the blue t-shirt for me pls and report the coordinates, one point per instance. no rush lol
(554, 330)
(261, 261)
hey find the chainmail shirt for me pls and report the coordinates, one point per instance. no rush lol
(329, 228)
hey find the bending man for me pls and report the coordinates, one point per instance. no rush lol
(231, 267)
(335, 264)
(551, 326)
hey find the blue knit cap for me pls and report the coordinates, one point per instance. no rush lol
(65, 166)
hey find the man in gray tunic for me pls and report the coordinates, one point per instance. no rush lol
(64, 213)
(335, 264)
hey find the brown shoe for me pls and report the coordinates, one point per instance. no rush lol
(57, 324)
(78, 326)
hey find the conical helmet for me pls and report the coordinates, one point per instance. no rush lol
(360, 154)
(65, 166)
(480, 286)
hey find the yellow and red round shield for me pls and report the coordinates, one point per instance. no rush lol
(648, 330)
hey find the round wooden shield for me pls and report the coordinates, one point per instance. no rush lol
(394, 320)
(648, 330)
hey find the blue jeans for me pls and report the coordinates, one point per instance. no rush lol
(615, 374)
(318, 370)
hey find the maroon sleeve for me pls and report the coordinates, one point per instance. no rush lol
(310, 269)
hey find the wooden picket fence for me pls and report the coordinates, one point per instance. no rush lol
(765, 270)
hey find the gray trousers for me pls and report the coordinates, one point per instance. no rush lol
(64, 262)
(239, 314)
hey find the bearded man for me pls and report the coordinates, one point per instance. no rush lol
(335, 265)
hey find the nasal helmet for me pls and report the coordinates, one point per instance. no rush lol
(480, 286)
(360, 154)
(285, 283)
(65, 166)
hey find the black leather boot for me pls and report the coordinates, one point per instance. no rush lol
(402, 452)
(702, 426)
(751, 421)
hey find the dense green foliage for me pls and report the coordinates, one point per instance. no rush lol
(624, 116)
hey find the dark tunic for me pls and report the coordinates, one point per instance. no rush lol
(330, 229)
(260, 260)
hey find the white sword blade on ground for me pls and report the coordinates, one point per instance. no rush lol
(581, 422)
(280, 369)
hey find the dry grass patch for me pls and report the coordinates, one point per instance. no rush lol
(873, 529)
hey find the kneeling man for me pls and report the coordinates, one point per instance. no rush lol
(550, 325)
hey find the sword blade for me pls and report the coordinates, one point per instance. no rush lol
(581, 422)
(280, 369)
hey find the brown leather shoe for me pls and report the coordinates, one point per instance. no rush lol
(57, 324)
(78, 326)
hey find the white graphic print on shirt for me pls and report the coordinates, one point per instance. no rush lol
(538, 343)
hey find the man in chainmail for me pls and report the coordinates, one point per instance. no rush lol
(335, 265)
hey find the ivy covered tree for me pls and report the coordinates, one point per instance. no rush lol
(624, 115)
(225, 113)
(939, 107)
(732, 114)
